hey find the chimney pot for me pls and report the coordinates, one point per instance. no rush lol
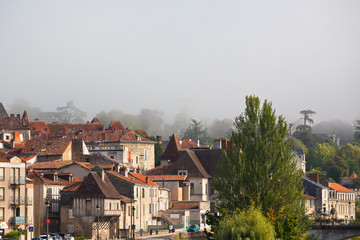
(12, 115)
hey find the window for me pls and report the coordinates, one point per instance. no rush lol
(143, 209)
(192, 188)
(145, 154)
(117, 206)
(137, 192)
(70, 228)
(2, 214)
(206, 189)
(71, 214)
(45, 129)
(155, 210)
(2, 173)
(150, 208)
(155, 192)
(7, 137)
(87, 160)
(137, 211)
(128, 210)
(112, 157)
(109, 206)
(143, 192)
(2, 193)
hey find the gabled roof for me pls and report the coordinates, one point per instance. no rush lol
(94, 186)
(50, 165)
(120, 176)
(116, 125)
(210, 159)
(11, 123)
(172, 149)
(142, 178)
(4, 157)
(187, 143)
(338, 187)
(46, 147)
(72, 187)
(187, 160)
(3, 113)
(85, 165)
(158, 178)
(184, 205)
(352, 176)
(38, 127)
(131, 136)
(46, 177)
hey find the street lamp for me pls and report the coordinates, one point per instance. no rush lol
(47, 204)
(98, 213)
(133, 225)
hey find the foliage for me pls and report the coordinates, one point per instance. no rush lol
(357, 131)
(151, 121)
(304, 127)
(128, 120)
(15, 233)
(220, 128)
(258, 168)
(213, 220)
(337, 169)
(320, 154)
(247, 224)
(70, 113)
(158, 153)
(350, 152)
(295, 143)
(196, 131)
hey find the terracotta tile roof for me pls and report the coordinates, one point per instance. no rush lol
(54, 164)
(3, 113)
(128, 179)
(38, 176)
(133, 136)
(185, 205)
(338, 187)
(308, 196)
(352, 176)
(72, 187)
(27, 157)
(210, 159)
(187, 143)
(38, 127)
(85, 165)
(94, 186)
(68, 129)
(116, 125)
(141, 132)
(142, 178)
(168, 177)
(187, 160)
(11, 123)
(46, 147)
(172, 149)
(4, 157)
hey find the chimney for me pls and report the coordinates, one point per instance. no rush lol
(147, 180)
(198, 143)
(12, 115)
(36, 119)
(159, 139)
(18, 116)
(314, 177)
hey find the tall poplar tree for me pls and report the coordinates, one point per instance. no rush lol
(258, 169)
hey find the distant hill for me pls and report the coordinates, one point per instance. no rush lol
(344, 131)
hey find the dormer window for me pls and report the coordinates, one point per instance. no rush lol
(55, 178)
(32, 149)
(71, 178)
(183, 172)
(43, 150)
(57, 148)
(80, 132)
(34, 129)
(45, 129)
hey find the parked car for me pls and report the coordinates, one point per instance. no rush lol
(55, 236)
(66, 236)
(194, 228)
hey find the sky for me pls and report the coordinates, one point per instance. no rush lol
(204, 56)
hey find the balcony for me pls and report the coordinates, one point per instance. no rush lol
(112, 212)
(17, 200)
(29, 201)
(17, 180)
(17, 220)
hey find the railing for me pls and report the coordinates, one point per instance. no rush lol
(17, 180)
(29, 200)
(112, 212)
(17, 220)
(17, 200)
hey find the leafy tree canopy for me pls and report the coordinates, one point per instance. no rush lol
(196, 131)
(258, 168)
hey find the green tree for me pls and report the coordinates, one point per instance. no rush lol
(320, 154)
(337, 168)
(350, 152)
(295, 143)
(248, 224)
(151, 121)
(306, 117)
(258, 168)
(70, 113)
(357, 131)
(196, 131)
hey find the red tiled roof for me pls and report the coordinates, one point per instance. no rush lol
(129, 179)
(142, 178)
(11, 123)
(172, 150)
(54, 164)
(185, 205)
(86, 165)
(116, 125)
(44, 146)
(38, 127)
(187, 143)
(308, 196)
(28, 157)
(39, 176)
(167, 177)
(338, 187)
(352, 176)
(72, 187)
(4, 157)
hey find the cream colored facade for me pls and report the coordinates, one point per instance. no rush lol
(343, 203)
(13, 193)
(142, 154)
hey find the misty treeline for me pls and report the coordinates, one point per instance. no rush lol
(332, 154)
(150, 120)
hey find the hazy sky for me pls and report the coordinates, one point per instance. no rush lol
(205, 56)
